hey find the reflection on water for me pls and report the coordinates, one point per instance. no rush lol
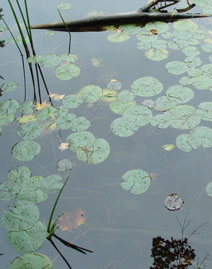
(119, 226)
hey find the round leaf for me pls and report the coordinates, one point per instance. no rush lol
(26, 150)
(173, 202)
(67, 71)
(136, 181)
(65, 165)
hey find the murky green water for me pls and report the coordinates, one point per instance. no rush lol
(119, 225)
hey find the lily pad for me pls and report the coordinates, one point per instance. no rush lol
(118, 37)
(9, 106)
(22, 216)
(79, 124)
(26, 150)
(91, 93)
(9, 86)
(36, 261)
(65, 165)
(130, 29)
(108, 96)
(122, 127)
(202, 82)
(208, 189)
(26, 108)
(83, 139)
(67, 71)
(30, 130)
(136, 181)
(176, 67)
(119, 107)
(159, 26)
(138, 115)
(48, 60)
(26, 241)
(157, 54)
(73, 100)
(205, 111)
(126, 96)
(147, 86)
(114, 85)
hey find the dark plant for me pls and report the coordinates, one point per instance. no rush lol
(2, 44)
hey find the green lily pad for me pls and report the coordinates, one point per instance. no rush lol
(176, 67)
(126, 96)
(118, 37)
(137, 181)
(91, 93)
(97, 154)
(157, 54)
(193, 61)
(130, 29)
(35, 260)
(207, 48)
(73, 101)
(48, 60)
(201, 136)
(191, 51)
(184, 35)
(26, 108)
(46, 113)
(138, 115)
(119, 107)
(208, 189)
(67, 71)
(30, 130)
(5, 119)
(22, 216)
(79, 124)
(122, 127)
(26, 150)
(180, 94)
(29, 240)
(64, 121)
(83, 139)
(202, 82)
(108, 96)
(114, 85)
(69, 58)
(147, 86)
(147, 37)
(9, 86)
(205, 111)
(9, 106)
(65, 165)
(159, 44)
(185, 25)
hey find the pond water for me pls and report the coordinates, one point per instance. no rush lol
(119, 224)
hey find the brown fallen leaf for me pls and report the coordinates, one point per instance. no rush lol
(39, 106)
(71, 220)
(57, 97)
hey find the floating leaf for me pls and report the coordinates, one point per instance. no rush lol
(30, 130)
(208, 189)
(9, 107)
(173, 202)
(82, 139)
(118, 37)
(138, 115)
(9, 86)
(5, 119)
(91, 93)
(63, 146)
(130, 29)
(205, 111)
(126, 96)
(122, 127)
(39, 106)
(27, 107)
(64, 6)
(29, 240)
(65, 165)
(95, 154)
(48, 60)
(46, 113)
(168, 147)
(79, 124)
(119, 107)
(22, 216)
(146, 86)
(26, 150)
(67, 71)
(69, 58)
(73, 101)
(35, 260)
(202, 82)
(136, 181)
(26, 118)
(176, 67)
(200, 136)
(157, 54)
(207, 48)
(185, 25)
(71, 220)
(96, 62)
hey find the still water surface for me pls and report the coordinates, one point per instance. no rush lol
(119, 226)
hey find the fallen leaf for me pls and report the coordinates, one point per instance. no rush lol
(39, 106)
(63, 146)
(57, 97)
(71, 220)
(168, 147)
(153, 31)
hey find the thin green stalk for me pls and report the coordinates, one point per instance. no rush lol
(38, 82)
(66, 26)
(49, 230)
(22, 57)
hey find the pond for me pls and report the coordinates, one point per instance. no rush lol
(131, 124)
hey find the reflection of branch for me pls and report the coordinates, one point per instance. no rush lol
(155, 2)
